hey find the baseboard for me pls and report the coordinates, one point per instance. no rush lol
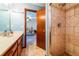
(64, 54)
(67, 54)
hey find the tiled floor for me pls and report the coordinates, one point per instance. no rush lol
(33, 50)
(31, 39)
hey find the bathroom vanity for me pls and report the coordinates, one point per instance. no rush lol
(11, 46)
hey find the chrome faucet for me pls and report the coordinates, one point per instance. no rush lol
(11, 31)
(6, 33)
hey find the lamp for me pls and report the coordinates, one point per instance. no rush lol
(42, 17)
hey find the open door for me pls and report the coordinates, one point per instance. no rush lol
(41, 42)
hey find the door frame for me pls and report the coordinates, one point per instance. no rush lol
(25, 11)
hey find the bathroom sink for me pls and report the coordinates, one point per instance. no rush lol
(6, 35)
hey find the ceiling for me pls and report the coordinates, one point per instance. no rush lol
(64, 6)
(70, 5)
(19, 7)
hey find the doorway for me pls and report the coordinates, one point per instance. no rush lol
(31, 28)
(34, 31)
(27, 19)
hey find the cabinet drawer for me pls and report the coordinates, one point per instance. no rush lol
(20, 40)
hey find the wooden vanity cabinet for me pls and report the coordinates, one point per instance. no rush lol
(16, 53)
(12, 50)
(15, 49)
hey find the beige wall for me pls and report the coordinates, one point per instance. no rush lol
(57, 33)
(72, 31)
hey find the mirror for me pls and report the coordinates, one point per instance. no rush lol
(11, 18)
(4, 20)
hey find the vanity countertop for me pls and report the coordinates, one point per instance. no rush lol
(7, 42)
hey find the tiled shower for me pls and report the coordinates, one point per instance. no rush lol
(64, 29)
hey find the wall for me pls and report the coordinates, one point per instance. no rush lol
(32, 23)
(57, 33)
(72, 31)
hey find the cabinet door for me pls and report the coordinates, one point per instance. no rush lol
(19, 49)
(9, 53)
(12, 50)
(16, 53)
(19, 46)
